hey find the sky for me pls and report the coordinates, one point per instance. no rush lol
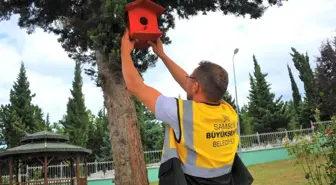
(303, 24)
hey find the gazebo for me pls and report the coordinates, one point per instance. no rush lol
(43, 149)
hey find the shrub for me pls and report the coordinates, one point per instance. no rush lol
(316, 154)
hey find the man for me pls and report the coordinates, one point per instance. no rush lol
(200, 135)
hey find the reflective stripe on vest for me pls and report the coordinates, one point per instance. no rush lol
(201, 154)
(169, 145)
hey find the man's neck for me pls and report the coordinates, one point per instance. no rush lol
(204, 100)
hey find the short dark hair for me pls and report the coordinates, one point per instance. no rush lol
(213, 79)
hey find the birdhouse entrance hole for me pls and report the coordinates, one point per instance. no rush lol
(144, 21)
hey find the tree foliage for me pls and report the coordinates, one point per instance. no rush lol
(269, 114)
(151, 133)
(295, 90)
(12, 128)
(246, 123)
(301, 63)
(151, 130)
(47, 123)
(229, 99)
(20, 98)
(309, 103)
(98, 136)
(57, 126)
(326, 79)
(40, 123)
(20, 116)
(298, 110)
(85, 26)
(76, 119)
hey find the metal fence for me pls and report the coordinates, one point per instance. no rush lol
(270, 140)
(323, 122)
(322, 125)
(104, 170)
(96, 170)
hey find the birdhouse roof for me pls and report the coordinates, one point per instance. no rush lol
(145, 4)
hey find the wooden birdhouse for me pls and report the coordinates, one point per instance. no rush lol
(142, 22)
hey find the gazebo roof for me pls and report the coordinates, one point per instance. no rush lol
(44, 135)
(44, 142)
(43, 148)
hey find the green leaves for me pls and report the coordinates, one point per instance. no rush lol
(316, 154)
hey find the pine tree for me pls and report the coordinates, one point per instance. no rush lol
(47, 123)
(229, 99)
(252, 106)
(267, 112)
(12, 128)
(57, 127)
(39, 122)
(20, 116)
(298, 109)
(246, 121)
(98, 133)
(17, 129)
(10, 133)
(295, 90)
(305, 115)
(293, 114)
(20, 100)
(77, 120)
(105, 148)
(326, 79)
(301, 63)
(3, 119)
(294, 107)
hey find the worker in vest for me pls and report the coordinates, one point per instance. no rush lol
(201, 137)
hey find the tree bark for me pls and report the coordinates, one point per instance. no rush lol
(128, 156)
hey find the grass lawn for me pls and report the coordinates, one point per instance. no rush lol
(276, 173)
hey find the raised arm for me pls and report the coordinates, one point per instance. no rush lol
(164, 108)
(135, 85)
(176, 71)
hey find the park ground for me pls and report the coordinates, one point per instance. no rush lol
(276, 173)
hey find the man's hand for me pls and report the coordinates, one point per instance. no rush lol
(157, 47)
(127, 45)
(177, 72)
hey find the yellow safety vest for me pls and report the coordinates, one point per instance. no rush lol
(169, 145)
(208, 138)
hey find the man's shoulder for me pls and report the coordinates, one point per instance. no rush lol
(173, 100)
(162, 99)
(166, 110)
(165, 107)
(229, 107)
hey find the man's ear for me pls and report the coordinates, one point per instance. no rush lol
(197, 87)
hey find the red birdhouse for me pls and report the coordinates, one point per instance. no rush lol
(142, 21)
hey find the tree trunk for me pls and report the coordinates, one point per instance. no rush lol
(128, 156)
